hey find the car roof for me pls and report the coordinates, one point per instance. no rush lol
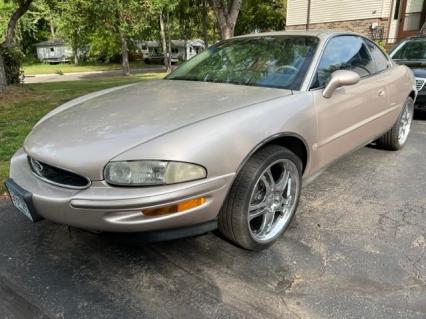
(398, 45)
(313, 33)
(414, 37)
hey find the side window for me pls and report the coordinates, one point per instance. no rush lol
(382, 62)
(344, 53)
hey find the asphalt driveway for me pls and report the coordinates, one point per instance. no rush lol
(357, 249)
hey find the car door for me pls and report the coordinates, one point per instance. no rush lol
(391, 79)
(347, 119)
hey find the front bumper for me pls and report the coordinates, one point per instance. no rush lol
(119, 209)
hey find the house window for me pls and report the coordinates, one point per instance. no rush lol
(52, 49)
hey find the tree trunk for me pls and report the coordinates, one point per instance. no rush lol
(124, 54)
(169, 44)
(163, 40)
(226, 17)
(19, 12)
(226, 32)
(183, 21)
(3, 80)
(205, 24)
(75, 52)
(52, 29)
(10, 31)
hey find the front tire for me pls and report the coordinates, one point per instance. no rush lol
(263, 199)
(396, 137)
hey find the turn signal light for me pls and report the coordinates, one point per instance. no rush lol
(175, 208)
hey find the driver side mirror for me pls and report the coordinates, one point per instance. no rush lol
(340, 78)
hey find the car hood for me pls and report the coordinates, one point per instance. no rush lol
(84, 134)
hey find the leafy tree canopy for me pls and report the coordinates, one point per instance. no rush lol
(261, 16)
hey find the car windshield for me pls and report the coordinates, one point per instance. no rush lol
(267, 61)
(414, 49)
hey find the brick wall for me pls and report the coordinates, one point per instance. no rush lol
(362, 26)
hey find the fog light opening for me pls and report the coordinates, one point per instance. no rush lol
(175, 208)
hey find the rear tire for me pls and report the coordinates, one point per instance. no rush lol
(396, 137)
(263, 198)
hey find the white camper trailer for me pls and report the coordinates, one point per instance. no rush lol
(181, 50)
(55, 51)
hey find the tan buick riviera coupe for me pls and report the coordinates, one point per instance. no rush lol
(225, 141)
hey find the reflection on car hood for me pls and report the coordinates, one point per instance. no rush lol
(84, 136)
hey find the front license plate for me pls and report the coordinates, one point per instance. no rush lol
(21, 199)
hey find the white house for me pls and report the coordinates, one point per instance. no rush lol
(388, 20)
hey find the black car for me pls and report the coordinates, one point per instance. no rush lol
(412, 52)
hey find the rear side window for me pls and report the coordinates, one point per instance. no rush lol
(344, 53)
(382, 62)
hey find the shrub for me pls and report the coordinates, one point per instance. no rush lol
(381, 43)
(12, 59)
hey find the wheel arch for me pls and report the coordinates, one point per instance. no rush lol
(294, 142)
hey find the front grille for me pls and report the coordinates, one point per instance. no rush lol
(420, 83)
(58, 176)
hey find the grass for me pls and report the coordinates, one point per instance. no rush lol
(22, 106)
(62, 68)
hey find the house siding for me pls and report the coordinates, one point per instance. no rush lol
(362, 26)
(297, 11)
(324, 11)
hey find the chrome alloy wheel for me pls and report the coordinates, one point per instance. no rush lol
(273, 200)
(405, 123)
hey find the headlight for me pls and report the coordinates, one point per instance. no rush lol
(138, 173)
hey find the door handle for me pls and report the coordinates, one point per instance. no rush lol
(381, 92)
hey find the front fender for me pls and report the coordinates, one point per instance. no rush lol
(222, 143)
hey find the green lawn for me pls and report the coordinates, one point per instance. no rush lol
(22, 106)
(44, 68)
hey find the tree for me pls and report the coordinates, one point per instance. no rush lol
(37, 25)
(23, 6)
(119, 19)
(193, 20)
(226, 15)
(205, 23)
(3, 79)
(73, 24)
(162, 9)
(261, 16)
(164, 42)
